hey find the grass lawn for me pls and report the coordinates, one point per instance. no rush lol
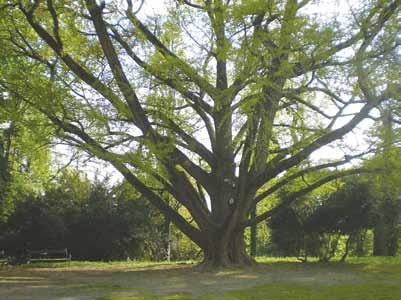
(272, 279)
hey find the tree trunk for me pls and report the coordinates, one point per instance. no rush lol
(379, 240)
(226, 252)
(360, 243)
(392, 244)
(253, 232)
(167, 238)
(385, 238)
(347, 246)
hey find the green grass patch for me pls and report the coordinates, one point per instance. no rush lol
(278, 278)
(383, 267)
(288, 291)
(285, 291)
(102, 264)
(149, 297)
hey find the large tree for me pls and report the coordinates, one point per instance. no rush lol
(24, 140)
(213, 101)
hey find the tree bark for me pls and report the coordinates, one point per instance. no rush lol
(253, 231)
(379, 240)
(347, 246)
(167, 238)
(223, 251)
(360, 243)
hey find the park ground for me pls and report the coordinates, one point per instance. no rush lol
(272, 279)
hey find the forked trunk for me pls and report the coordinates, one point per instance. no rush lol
(223, 252)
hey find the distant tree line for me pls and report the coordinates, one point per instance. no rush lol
(93, 220)
(99, 221)
(342, 223)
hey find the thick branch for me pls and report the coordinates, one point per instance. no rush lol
(171, 57)
(293, 197)
(287, 180)
(278, 167)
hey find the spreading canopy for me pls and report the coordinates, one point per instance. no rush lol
(212, 101)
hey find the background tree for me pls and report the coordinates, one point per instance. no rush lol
(346, 212)
(251, 68)
(386, 186)
(25, 134)
(93, 220)
(320, 229)
(24, 151)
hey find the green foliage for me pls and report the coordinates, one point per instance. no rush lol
(286, 233)
(162, 99)
(347, 210)
(24, 153)
(386, 183)
(322, 229)
(182, 247)
(92, 220)
(25, 134)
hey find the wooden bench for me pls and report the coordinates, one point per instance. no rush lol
(49, 255)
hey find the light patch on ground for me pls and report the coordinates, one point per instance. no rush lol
(182, 282)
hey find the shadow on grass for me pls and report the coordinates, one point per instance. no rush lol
(276, 279)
